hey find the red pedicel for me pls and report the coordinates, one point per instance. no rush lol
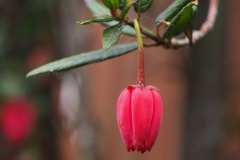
(139, 116)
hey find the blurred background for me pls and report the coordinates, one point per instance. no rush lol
(72, 115)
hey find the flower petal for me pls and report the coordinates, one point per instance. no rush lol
(142, 110)
(124, 118)
(156, 119)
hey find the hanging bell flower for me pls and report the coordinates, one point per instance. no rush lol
(139, 116)
(139, 109)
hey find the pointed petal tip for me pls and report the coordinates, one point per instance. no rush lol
(130, 148)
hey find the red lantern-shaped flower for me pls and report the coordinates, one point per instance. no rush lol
(139, 116)
(139, 109)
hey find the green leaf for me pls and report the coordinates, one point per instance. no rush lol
(195, 10)
(181, 21)
(82, 59)
(171, 11)
(98, 9)
(142, 5)
(127, 4)
(112, 4)
(97, 20)
(111, 36)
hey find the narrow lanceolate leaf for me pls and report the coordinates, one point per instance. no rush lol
(82, 59)
(169, 13)
(97, 20)
(142, 5)
(98, 9)
(111, 36)
(181, 21)
(112, 4)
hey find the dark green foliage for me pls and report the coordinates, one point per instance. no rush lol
(181, 22)
(169, 13)
(180, 14)
(112, 4)
(142, 5)
(127, 4)
(98, 9)
(111, 36)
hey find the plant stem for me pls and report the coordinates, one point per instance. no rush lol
(140, 76)
(148, 34)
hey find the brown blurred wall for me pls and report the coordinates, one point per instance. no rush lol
(231, 138)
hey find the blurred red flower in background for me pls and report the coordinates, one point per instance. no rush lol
(18, 120)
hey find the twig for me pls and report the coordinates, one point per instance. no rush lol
(146, 33)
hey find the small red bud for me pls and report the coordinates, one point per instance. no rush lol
(139, 116)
